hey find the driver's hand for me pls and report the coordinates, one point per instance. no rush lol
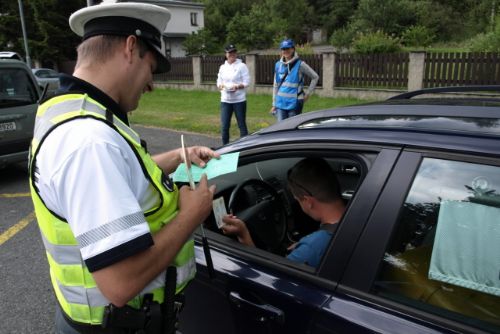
(235, 226)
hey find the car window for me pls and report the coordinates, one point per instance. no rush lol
(16, 88)
(46, 74)
(276, 227)
(443, 255)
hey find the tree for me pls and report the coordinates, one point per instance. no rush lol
(389, 16)
(200, 43)
(251, 31)
(50, 38)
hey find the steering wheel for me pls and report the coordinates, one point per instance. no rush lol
(262, 211)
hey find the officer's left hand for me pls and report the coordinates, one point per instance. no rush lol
(200, 155)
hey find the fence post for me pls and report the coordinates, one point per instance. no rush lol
(197, 72)
(251, 62)
(328, 75)
(416, 70)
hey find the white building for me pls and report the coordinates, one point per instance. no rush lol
(187, 17)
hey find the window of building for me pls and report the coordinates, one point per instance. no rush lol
(443, 255)
(194, 19)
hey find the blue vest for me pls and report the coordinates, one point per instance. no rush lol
(287, 94)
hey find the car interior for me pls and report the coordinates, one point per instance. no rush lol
(257, 193)
(407, 274)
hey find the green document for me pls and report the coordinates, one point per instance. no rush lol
(215, 167)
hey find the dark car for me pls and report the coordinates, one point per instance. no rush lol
(417, 251)
(19, 96)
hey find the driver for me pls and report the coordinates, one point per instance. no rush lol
(314, 185)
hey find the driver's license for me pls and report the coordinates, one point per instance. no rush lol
(219, 211)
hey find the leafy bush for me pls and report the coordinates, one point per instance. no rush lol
(418, 36)
(304, 49)
(487, 42)
(342, 38)
(376, 42)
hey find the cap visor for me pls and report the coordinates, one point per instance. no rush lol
(162, 63)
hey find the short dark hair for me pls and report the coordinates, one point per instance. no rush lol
(314, 177)
(102, 47)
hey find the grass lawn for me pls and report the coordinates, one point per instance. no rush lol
(198, 111)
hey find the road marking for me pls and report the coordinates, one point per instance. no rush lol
(15, 195)
(16, 228)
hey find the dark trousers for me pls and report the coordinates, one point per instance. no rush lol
(284, 114)
(226, 112)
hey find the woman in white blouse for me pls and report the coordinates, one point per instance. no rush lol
(232, 80)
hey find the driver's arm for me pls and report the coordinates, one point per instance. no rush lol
(237, 227)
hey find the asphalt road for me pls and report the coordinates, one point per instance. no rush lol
(26, 298)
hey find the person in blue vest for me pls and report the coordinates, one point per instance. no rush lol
(288, 87)
(314, 185)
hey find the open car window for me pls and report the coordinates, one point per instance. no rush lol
(443, 255)
(258, 194)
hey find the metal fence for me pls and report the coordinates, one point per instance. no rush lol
(454, 68)
(373, 70)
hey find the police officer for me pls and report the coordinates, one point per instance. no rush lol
(110, 218)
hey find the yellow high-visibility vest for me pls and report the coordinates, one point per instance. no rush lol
(74, 286)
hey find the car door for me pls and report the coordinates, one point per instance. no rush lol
(398, 280)
(253, 291)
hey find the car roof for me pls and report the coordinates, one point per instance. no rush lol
(9, 55)
(471, 115)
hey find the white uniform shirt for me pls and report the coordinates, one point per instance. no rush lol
(95, 182)
(233, 74)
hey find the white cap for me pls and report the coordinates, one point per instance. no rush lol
(145, 21)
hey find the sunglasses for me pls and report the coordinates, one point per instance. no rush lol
(285, 49)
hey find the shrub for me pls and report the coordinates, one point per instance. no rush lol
(376, 42)
(304, 49)
(342, 38)
(418, 36)
(487, 42)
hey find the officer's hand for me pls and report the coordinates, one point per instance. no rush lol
(197, 203)
(200, 155)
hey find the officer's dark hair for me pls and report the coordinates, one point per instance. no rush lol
(314, 177)
(102, 47)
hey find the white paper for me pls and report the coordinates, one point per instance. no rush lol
(219, 211)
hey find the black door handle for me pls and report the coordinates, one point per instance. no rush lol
(265, 312)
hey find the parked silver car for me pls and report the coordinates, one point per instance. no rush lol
(47, 76)
(19, 94)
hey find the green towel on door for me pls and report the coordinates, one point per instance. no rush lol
(466, 249)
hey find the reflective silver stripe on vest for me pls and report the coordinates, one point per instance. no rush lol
(82, 295)
(94, 297)
(44, 123)
(63, 254)
(287, 94)
(186, 271)
(104, 231)
(289, 84)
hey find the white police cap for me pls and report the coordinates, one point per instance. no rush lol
(145, 21)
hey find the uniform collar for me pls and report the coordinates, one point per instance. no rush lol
(71, 84)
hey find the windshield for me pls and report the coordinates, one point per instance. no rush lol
(16, 88)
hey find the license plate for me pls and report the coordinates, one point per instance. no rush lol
(10, 126)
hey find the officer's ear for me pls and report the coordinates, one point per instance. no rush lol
(131, 46)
